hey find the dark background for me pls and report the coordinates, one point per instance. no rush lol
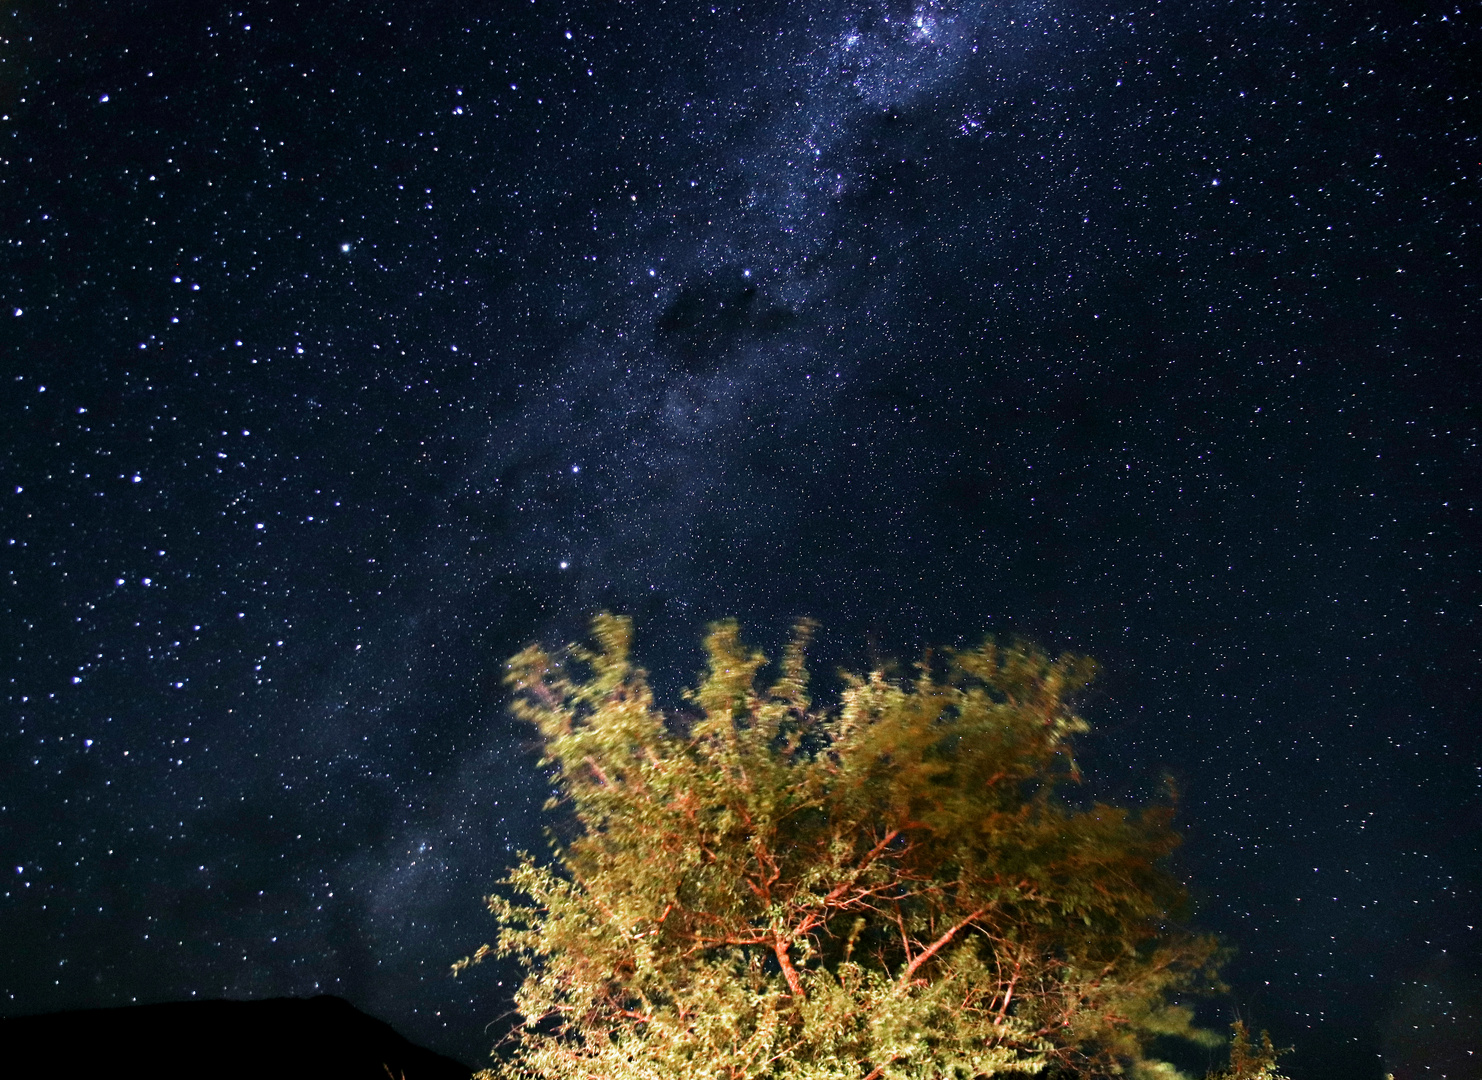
(348, 347)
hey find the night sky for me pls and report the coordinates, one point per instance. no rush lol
(349, 347)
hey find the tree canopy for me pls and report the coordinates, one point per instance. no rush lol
(892, 888)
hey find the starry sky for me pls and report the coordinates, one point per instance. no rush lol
(347, 347)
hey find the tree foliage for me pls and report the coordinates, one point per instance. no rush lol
(894, 888)
(1247, 1060)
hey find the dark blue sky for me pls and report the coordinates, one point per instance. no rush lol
(349, 347)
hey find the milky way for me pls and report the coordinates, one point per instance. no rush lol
(350, 349)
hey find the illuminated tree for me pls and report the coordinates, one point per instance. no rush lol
(894, 887)
(1248, 1061)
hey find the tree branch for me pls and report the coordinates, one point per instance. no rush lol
(780, 946)
(864, 864)
(601, 776)
(935, 947)
(1008, 995)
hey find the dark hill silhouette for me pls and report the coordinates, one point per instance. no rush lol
(325, 1038)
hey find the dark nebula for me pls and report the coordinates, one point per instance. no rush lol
(710, 317)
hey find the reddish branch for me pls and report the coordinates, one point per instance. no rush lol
(1008, 994)
(834, 895)
(780, 946)
(601, 776)
(935, 947)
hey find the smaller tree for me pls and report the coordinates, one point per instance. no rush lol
(1248, 1061)
(891, 888)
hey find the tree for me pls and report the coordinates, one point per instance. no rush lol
(1247, 1061)
(892, 888)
